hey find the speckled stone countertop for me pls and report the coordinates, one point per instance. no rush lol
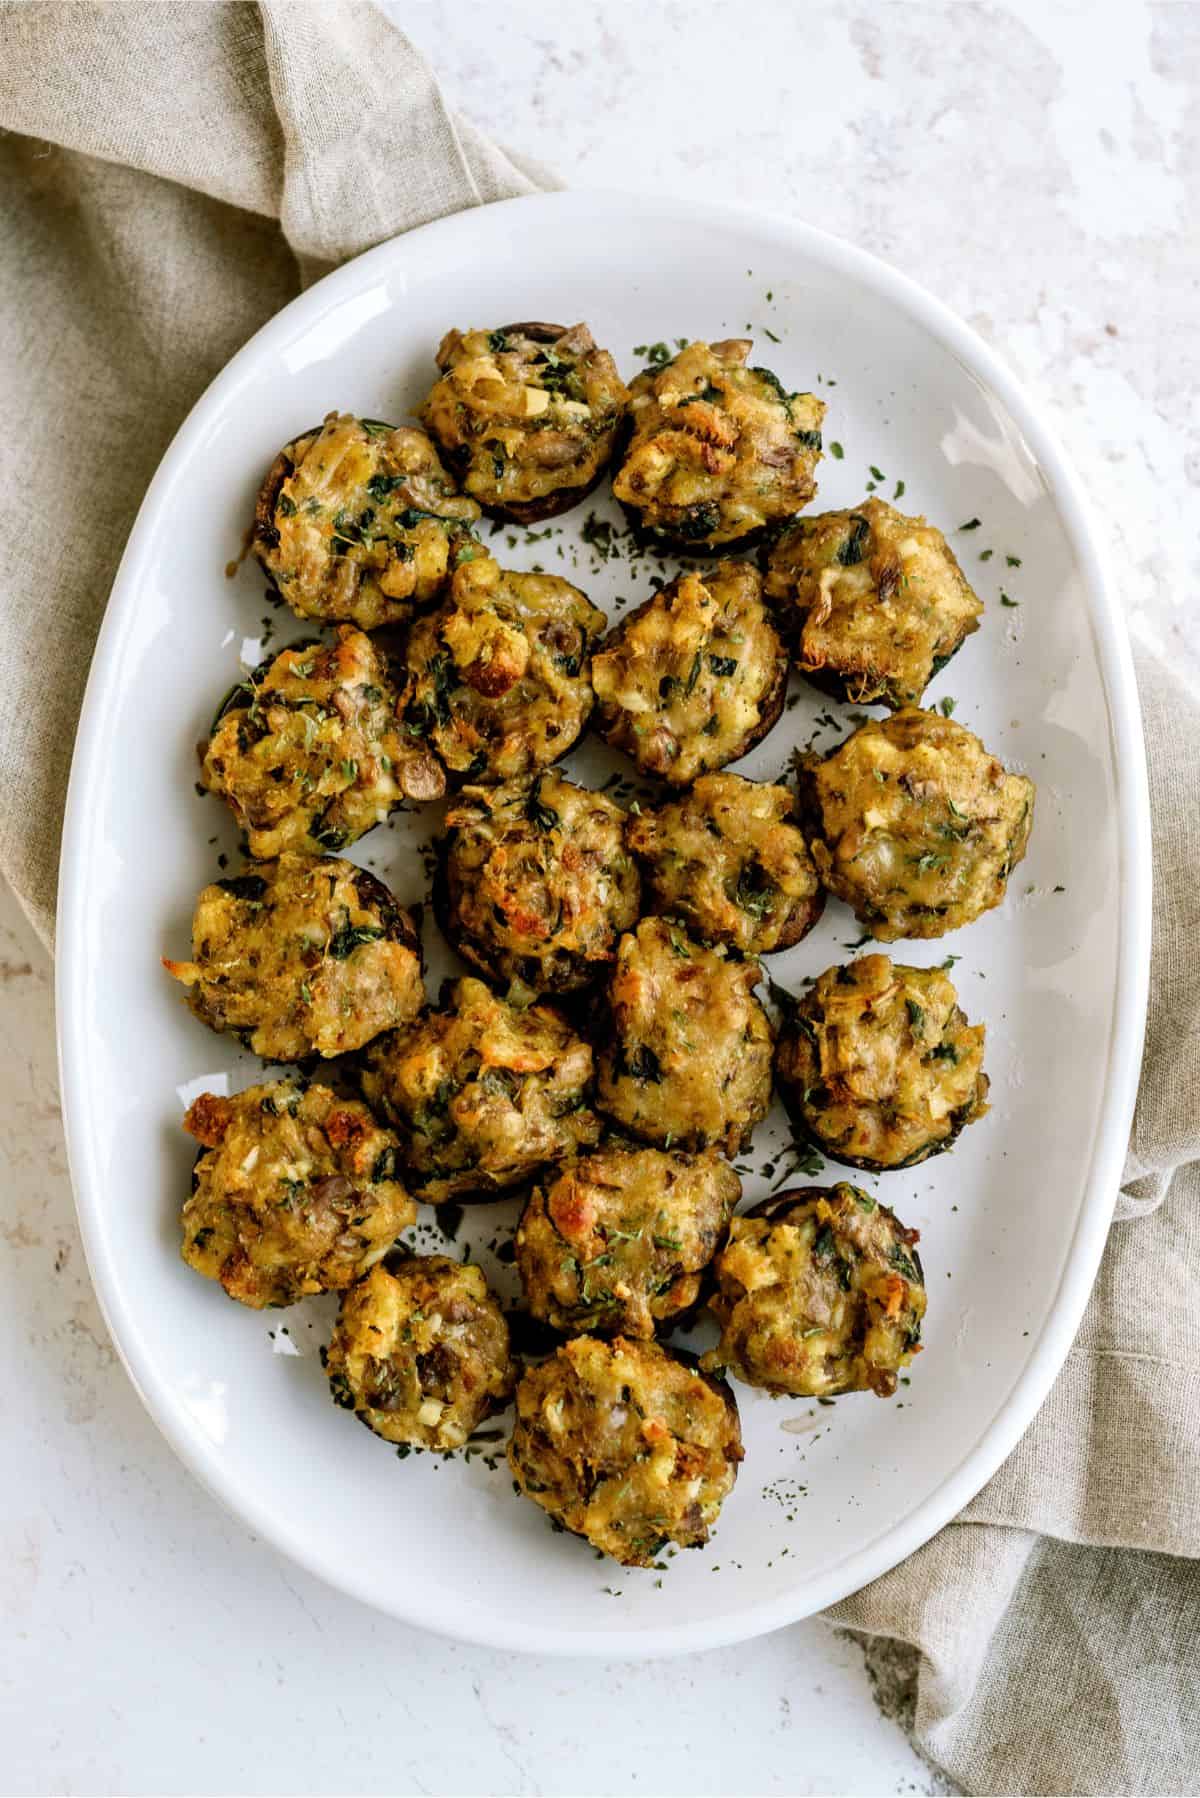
(1039, 168)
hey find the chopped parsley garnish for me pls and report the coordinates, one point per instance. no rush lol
(850, 551)
(656, 354)
(351, 937)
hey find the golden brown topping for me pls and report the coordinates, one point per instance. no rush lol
(486, 1093)
(360, 521)
(818, 1292)
(915, 825)
(208, 1118)
(875, 602)
(718, 451)
(536, 883)
(626, 1445)
(730, 861)
(300, 956)
(528, 414)
(694, 677)
(499, 678)
(308, 753)
(619, 1242)
(879, 1065)
(420, 1352)
(688, 1057)
(295, 1192)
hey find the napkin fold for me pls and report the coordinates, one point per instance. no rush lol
(1056, 1618)
(171, 174)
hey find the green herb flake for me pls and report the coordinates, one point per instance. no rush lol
(902, 1264)
(948, 706)
(972, 524)
(836, 451)
(351, 937)
(1013, 561)
(1006, 601)
(986, 555)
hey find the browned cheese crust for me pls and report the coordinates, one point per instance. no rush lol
(485, 1093)
(729, 859)
(626, 1445)
(528, 415)
(499, 678)
(420, 1352)
(619, 1242)
(302, 956)
(818, 1291)
(686, 1060)
(536, 884)
(694, 677)
(308, 754)
(873, 602)
(294, 1192)
(717, 451)
(878, 1064)
(915, 825)
(360, 521)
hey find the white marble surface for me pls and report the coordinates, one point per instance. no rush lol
(1035, 164)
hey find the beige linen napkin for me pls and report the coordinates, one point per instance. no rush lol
(1054, 1658)
(170, 175)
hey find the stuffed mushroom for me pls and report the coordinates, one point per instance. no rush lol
(485, 1093)
(627, 1445)
(294, 1191)
(527, 415)
(420, 1352)
(915, 826)
(308, 754)
(359, 521)
(535, 883)
(307, 955)
(873, 601)
(619, 1243)
(818, 1291)
(694, 677)
(878, 1065)
(686, 1059)
(729, 859)
(717, 451)
(499, 677)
